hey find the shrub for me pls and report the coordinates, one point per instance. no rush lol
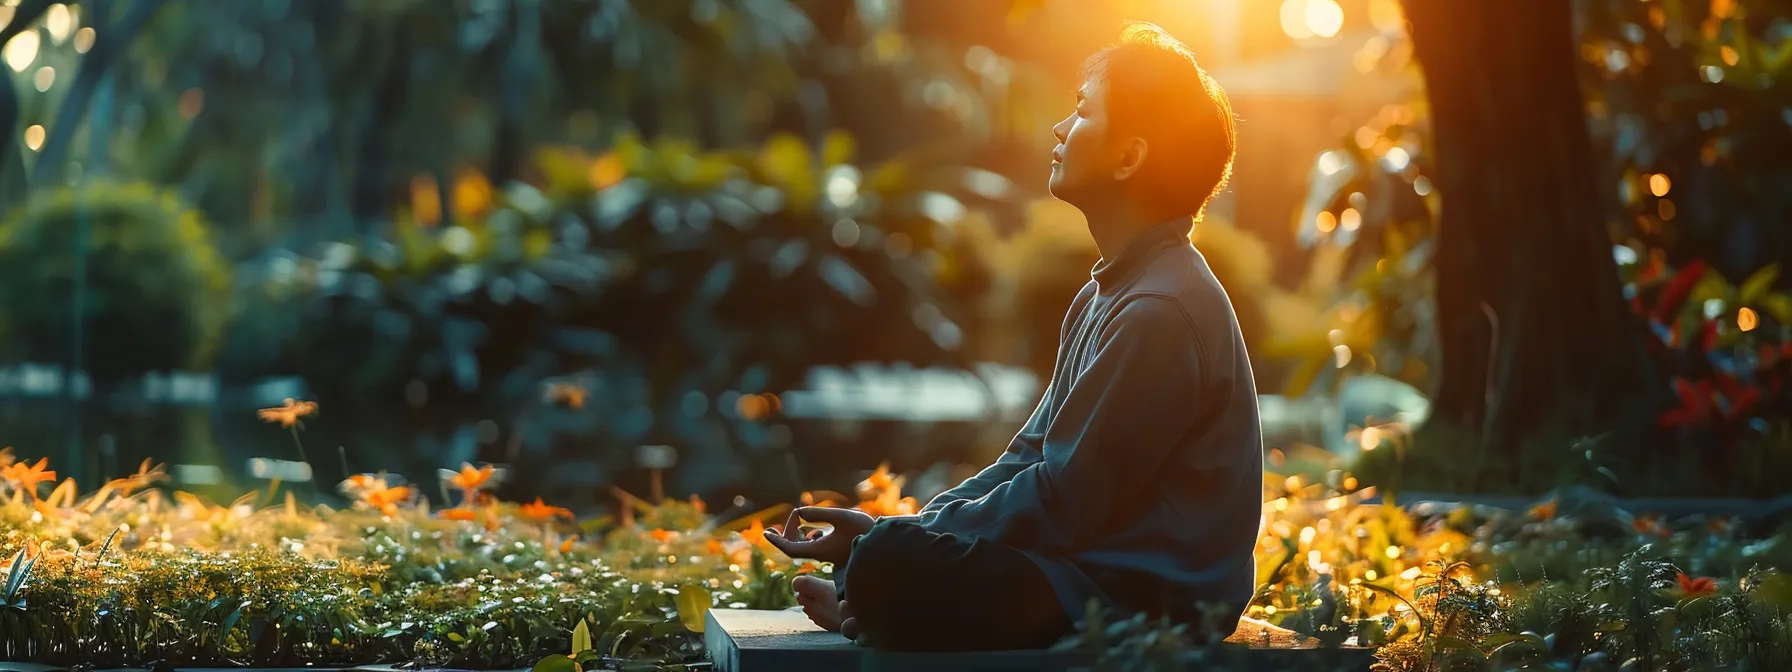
(154, 297)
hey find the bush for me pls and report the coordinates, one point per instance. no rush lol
(155, 285)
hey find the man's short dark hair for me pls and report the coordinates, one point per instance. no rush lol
(1156, 91)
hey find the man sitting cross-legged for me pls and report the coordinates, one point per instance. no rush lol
(1136, 483)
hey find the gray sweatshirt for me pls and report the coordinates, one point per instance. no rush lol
(1137, 482)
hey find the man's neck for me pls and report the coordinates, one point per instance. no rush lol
(1115, 227)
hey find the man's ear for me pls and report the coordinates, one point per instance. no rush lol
(1132, 158)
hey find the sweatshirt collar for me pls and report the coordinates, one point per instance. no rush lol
(1112, 273)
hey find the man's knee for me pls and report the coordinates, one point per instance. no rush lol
(881, 562)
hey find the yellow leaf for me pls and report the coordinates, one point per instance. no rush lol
(581, 637)
(537, 244)
(888, 178)
(1269, 563)
(1758, 284)
(785, 160)
(564, 169)
(1779, 306)
(693, 605)
(632, 152)
(456, 637)
(837, 148)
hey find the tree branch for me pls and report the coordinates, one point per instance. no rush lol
(113, 42)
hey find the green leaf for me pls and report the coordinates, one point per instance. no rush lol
(693, 606)
(1779, 306)
(1448, 643)
(581, 637)
(556, 663)
(1757, 285)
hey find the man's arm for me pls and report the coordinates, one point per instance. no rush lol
(1114, 428)
(1028, 444)
(1023, 451)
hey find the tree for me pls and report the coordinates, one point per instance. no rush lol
(1536, 340)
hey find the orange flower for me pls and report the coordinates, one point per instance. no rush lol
(491, 520)
(571, 395)
(663, 536)
(470, 479)
(27, 477)
(1544, 511)
(146, 476)
(387, 499)
(541, 511)
(358, 484)
(697, 503)
(714, 547)
(288, 413)
(878, 481)
(459, 513)
(755, 535)
(566, 546)
(1646, 525)
(1694, 587)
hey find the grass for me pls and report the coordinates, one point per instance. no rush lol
(135, 572)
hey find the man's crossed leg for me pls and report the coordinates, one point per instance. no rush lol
(905, 588)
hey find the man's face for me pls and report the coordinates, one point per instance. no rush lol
(1084, 159)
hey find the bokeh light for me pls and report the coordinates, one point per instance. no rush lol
(1307, 19)
(21, 52)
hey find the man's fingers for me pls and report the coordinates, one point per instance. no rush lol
(812, 588)
(793, 526)
(823, 514)
(849, 628)
(789, 547)
(845, 609)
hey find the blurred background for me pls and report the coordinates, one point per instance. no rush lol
(751, 248)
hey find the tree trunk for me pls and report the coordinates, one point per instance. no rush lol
(1537, 342)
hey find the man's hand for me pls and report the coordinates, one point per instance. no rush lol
(833, 546)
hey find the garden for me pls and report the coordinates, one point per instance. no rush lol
(485, 345)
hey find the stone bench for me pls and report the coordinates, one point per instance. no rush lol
(741, 640)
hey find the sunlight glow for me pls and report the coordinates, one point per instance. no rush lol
(1659, 185)
(34, 137)
(1747, 319)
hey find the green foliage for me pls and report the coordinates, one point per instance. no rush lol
(155, 287)
(653, 270)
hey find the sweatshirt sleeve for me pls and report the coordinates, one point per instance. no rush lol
(1118, 422)
(1022, 452)
(1027, 445)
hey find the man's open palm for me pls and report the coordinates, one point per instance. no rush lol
(834, 546)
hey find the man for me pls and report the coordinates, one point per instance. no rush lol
(1136, 485)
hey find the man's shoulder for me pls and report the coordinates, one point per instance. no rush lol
(1183, 277)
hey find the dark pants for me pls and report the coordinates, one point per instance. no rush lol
(916, 590)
